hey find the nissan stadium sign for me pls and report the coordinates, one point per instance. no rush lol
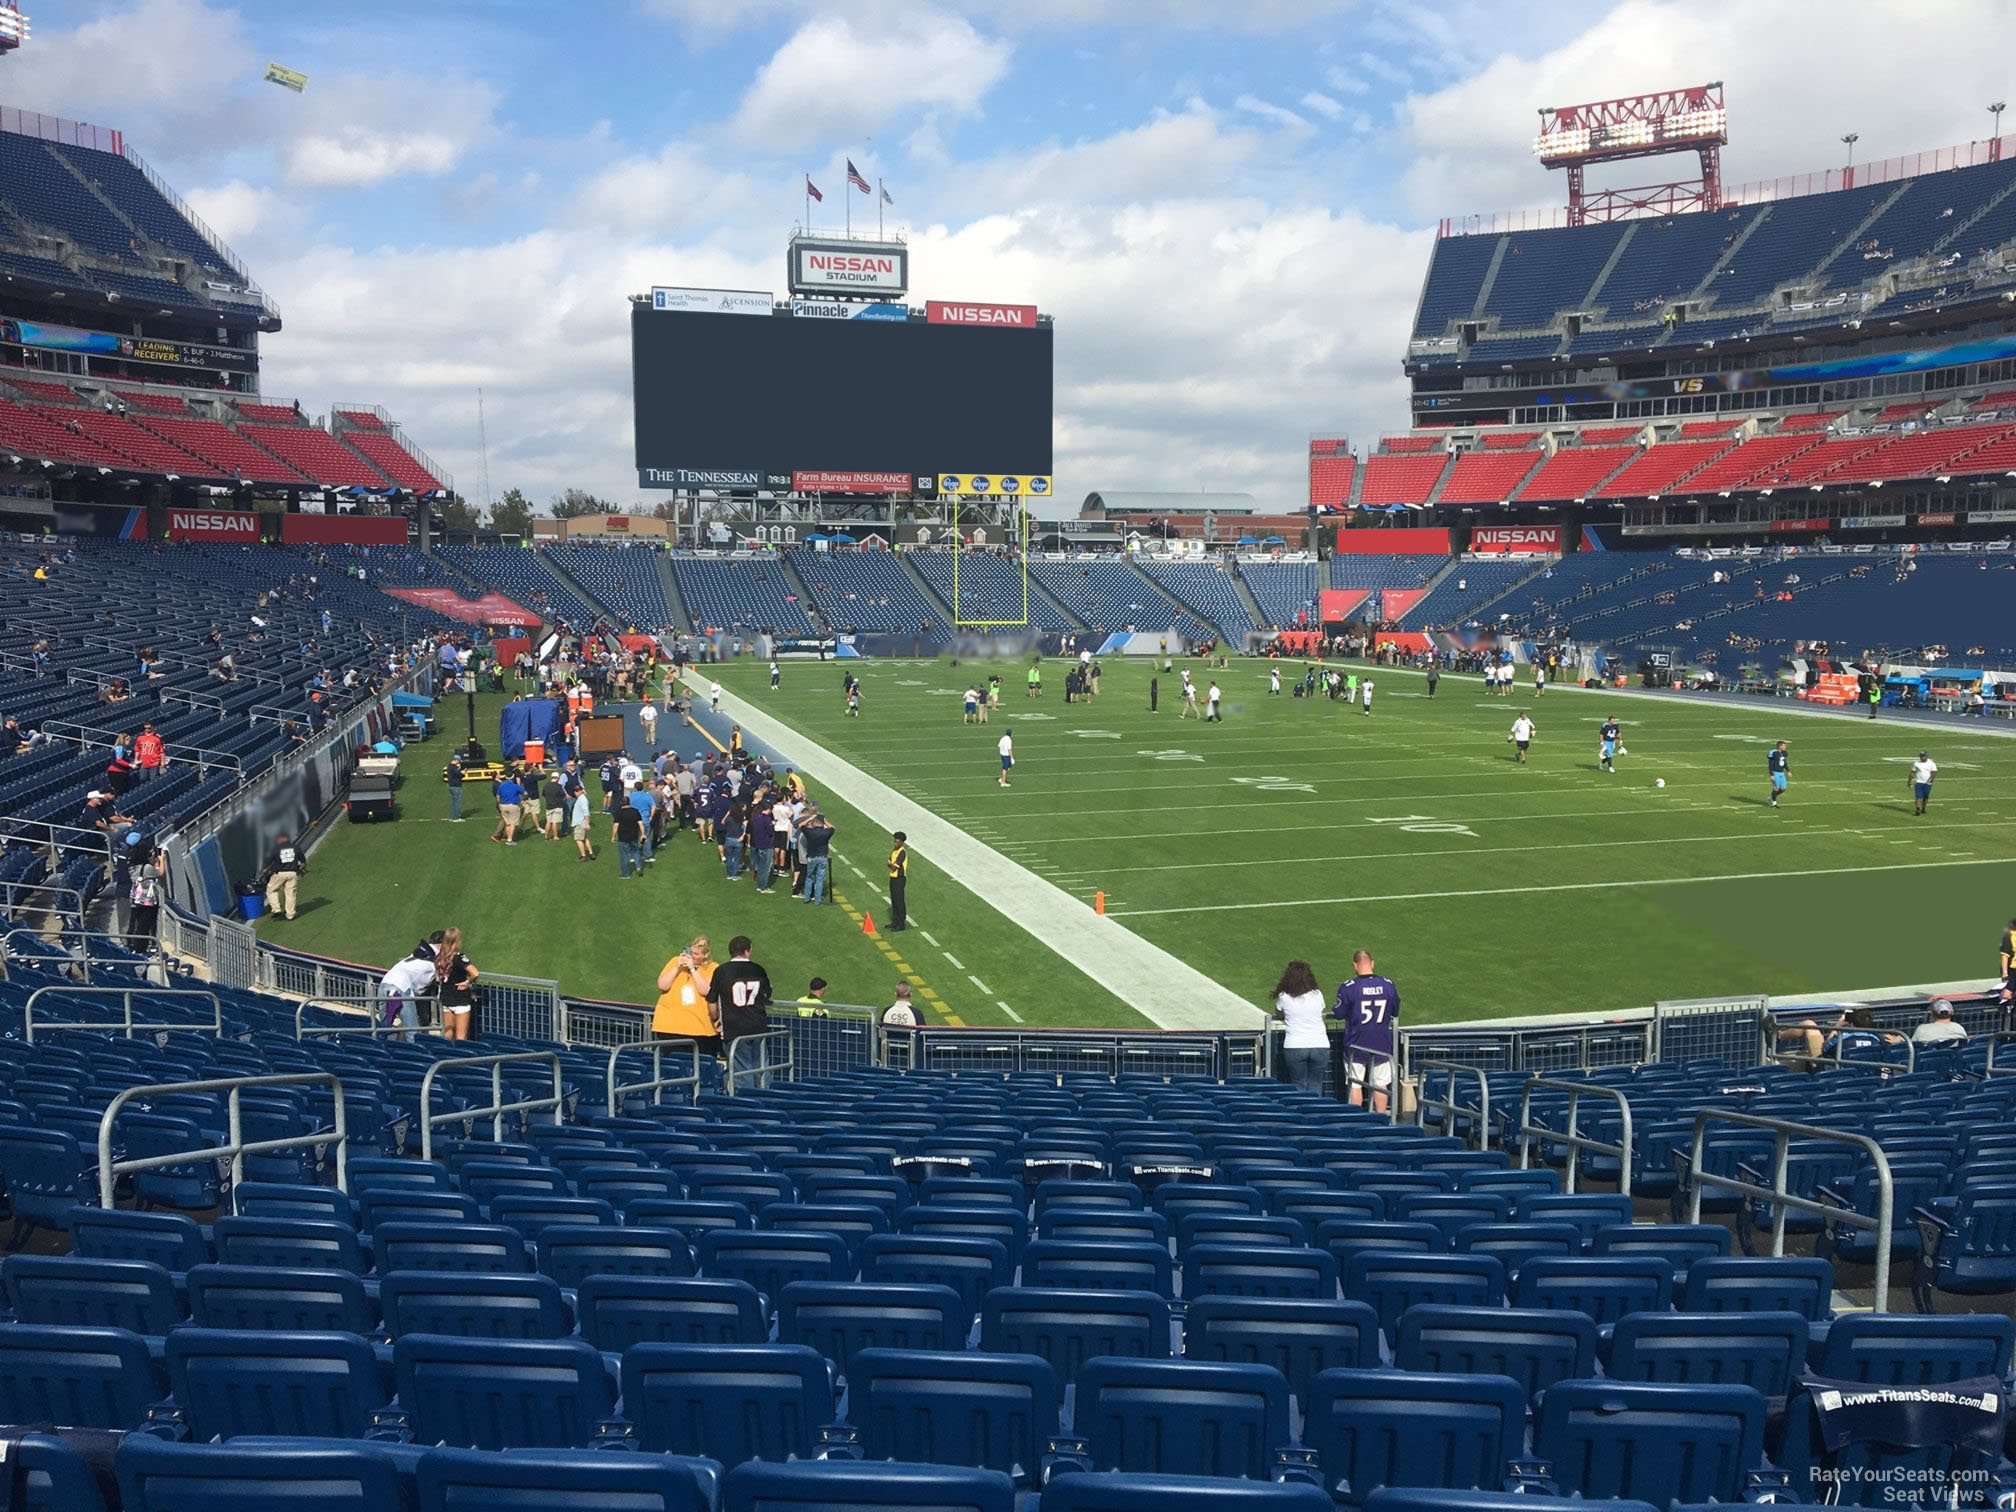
(867, 269)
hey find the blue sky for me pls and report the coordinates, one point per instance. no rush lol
(1227, 204)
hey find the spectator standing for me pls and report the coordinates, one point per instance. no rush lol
(641, 798)
(143, 914)
(1305, 1049)
(681, 1011)
(510, 809)
(553, 797)
(403, 985)
(762, 841)
(150, 753)
(456, 976)
(648, 715)
(119, 770)
(457, 774)
(578, 821)
(1368, 1011)
(818, 835)
(283, 871)
(733, 832)
(629, 837)
(740, 997)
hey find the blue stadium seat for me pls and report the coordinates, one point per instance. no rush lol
(1088, 1266)
(973, 1191)
(1311, 1208)
(51, 1475)
(1175, 1198)
(571, 1253)
(1898, 1349)
(228, 1382)
(1214, 1227)
(1510, 1184)
(1345, 1237)
(1451, 1212)
(1534, 1346)
(156, 1475)
(502, 1393)
(1761, 1283)
(1973, 1249)
(415, 1204)
(1297, 1337)
(532, 1213)
(755, 1190)
(840, 1318)
(136, 1295)
(374, 1173)
(1103, 1225)
(1402, 1499)
(996, 1411)
(1604, 1286)
(1057, 1192)
(889, 1193)
(830, 1485)
(170, 1240)
(736, 1401)
(562, 1480)
(1657, 1443)
(1586, 1211)
(971, 1267)
(279, 1243)
(1177, 1493)
(473, 1305)
(70, 1376)
(481, 1247)
(1681, 1243)
(1181, 1417)
(277, 1199)
(1068, 1328)
(616, 1312)
(1374, 1428)
(279, 1301)
(770, 1261)
(1009, 1227)
(690, 1217)
(1762, 1350)
(1516, 1243)
(1393, 1281)
(1227, 1270)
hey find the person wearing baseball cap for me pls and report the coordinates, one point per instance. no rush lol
(1939, 1029)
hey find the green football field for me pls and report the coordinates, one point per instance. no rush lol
(1295, 828)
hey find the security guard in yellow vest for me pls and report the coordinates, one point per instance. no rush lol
(899, 876)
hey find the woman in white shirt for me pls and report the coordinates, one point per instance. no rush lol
(1298, 1002)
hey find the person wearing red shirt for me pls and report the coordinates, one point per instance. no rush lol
(150, 753)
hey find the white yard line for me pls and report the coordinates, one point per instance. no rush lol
(1559, 887)
(1169, 993)
(930, 939)
(1007, 1010)
(984, 988)
(957, 964)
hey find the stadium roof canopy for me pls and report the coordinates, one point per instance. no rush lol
(1170, 503)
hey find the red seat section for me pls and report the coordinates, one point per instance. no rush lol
(147, 449)
(153, 400)
(1573, 472)
(270, 414)
(1695, 429)
(317, 454)
(42, 392)
(1809, 422)
(1405, 479)
(1924, 454)
(1813, 466)
(1330, 478)
(1658, 468)
(1494, 439)
(1998, 456)
(1487, 477)
(359, 419)
(1755, 458)
(1610, 435)
(230, 454)
(1910, 409)
(389, 457)
(46, 436)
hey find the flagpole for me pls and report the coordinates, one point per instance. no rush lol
(879, 192)
(808, 204)
(848, 198)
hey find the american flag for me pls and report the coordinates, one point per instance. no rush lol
(813, 190)
(854, 177)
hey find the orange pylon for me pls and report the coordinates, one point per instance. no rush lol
(867, 924)
(1099, 903)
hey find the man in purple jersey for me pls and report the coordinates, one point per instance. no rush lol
(1368, 1009)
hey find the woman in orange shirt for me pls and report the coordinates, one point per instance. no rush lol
(682, 1011)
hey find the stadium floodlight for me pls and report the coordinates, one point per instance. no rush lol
(1693, 119)
(13, 27)
(1995, 109)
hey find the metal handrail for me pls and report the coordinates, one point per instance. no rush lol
(209, 703)
(238, 1148)
(126, 994)
(1993, 1067)
(1449, 1107)
(1782, 1201)
(765, 1042)
(91, 735)
(370, 1007)
(497, 1108)
(659, 1080)
(1576, 1141)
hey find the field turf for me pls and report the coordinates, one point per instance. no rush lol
(1296, 828)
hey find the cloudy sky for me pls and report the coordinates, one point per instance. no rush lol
(1228, 205)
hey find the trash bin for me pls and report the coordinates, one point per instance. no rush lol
(251, 902)
(535, 753)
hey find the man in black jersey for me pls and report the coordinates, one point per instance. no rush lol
(739, 996)
(1779, 764)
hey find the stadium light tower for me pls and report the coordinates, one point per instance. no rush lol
(13, 27)
(1995, 110)
(1649, 125)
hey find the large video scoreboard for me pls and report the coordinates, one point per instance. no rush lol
(734, 392)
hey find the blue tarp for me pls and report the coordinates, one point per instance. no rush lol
(520, 722)
(411, 701)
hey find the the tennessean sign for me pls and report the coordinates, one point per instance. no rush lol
(876, 268)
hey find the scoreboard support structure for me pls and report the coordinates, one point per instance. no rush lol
(1019, 523)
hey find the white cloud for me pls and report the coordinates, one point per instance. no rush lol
(1344, 81)
(1471, 142)
(832, 81)
(1323, 105)
(359, 131)
(1268, 111)
(709, 21)
(679, 189)
(236, 210)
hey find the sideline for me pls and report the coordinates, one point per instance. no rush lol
(1169, 993)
